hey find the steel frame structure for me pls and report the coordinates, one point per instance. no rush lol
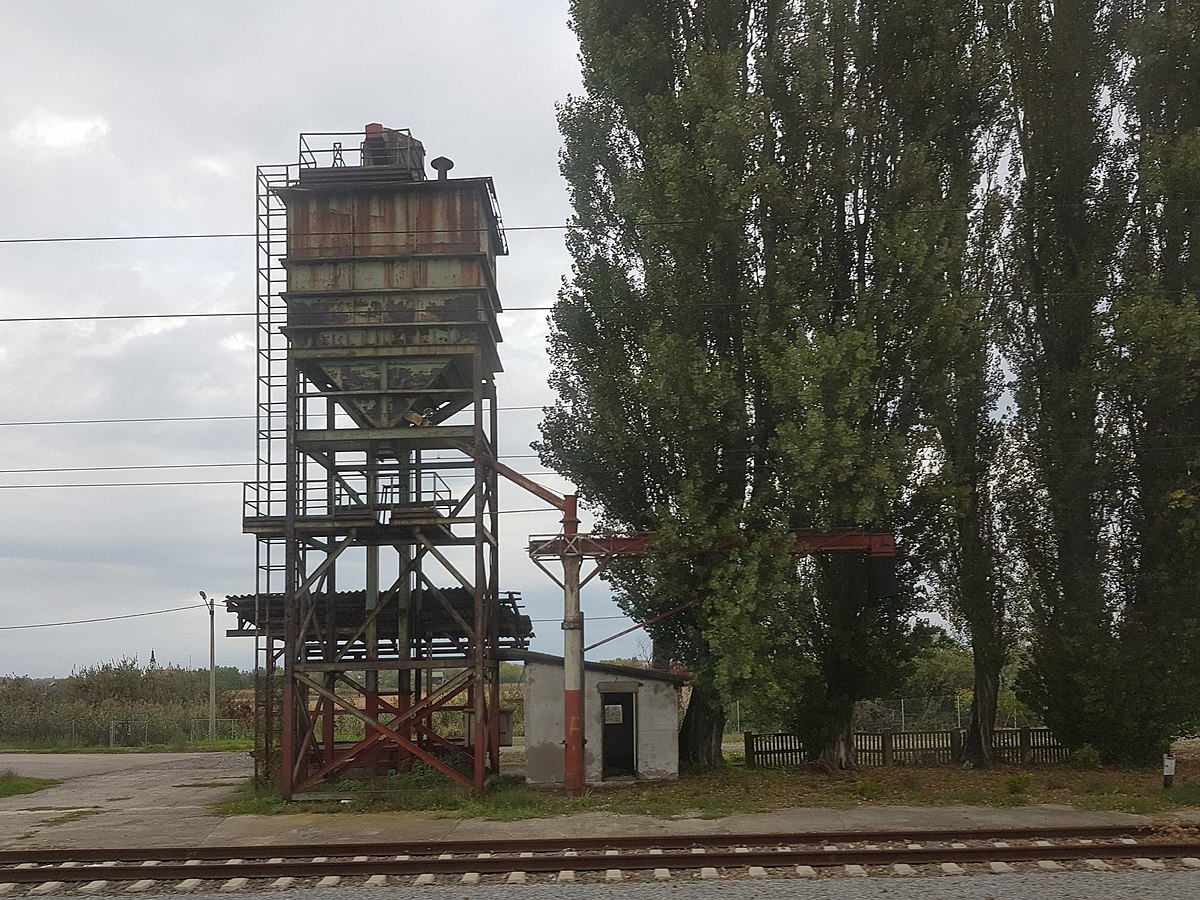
(376, 478)
(571, 548)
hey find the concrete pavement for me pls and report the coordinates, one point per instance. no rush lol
(129, 800)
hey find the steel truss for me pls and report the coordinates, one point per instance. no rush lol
(377, 611)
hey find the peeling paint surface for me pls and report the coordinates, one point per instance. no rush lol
(657, 724)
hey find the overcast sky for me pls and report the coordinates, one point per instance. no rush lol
(148, 118)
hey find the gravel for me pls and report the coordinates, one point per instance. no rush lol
(1057, 886)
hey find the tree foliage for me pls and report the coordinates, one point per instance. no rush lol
(810, 240)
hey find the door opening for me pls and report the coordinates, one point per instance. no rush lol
(617, 735)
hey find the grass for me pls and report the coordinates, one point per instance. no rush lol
(246, 744)
(13, 785)
(736, 789)
(69, 817)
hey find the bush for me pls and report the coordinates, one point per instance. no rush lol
(117, 703)
(1086, 757)
(1018, 784)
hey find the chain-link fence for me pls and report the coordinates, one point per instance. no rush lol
(899, 714)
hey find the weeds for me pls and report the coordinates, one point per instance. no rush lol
(12, 784)
(1019, 783)
(740, 790)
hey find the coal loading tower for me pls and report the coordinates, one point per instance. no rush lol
(377, 612)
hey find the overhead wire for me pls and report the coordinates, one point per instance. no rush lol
(153, 612)
(158, 612)
(690, 303)
(115, 421)
(933, 209)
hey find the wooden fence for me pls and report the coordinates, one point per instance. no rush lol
(1021, 746)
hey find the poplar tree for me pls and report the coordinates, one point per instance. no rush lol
(1155, 365)
(932, 69)
(737, 353)
(1069, 201)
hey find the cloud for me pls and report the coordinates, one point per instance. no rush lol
(212, 165)
(47, 131)
(155, 108)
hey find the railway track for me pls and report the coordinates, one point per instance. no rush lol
(228, 869)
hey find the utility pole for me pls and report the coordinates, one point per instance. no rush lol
(212, 669)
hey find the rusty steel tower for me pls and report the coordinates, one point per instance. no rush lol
(377, 610)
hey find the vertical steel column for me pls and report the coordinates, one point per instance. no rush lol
(481, 453)
(292, 565)
(573, 706)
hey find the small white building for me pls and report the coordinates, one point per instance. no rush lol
(631, 721)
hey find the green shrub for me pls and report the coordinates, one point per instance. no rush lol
(1086, 757)
(1018, 784)
(869, 789)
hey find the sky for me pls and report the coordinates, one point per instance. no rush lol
(148, 118)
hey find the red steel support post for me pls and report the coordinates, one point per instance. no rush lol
(572, 625)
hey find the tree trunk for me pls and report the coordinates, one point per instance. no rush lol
(839, 753)
(702, 729)
(978, 749)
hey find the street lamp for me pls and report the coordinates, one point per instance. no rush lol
(212, 669)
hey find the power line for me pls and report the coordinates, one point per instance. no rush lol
(96, 484)
(154, 612)
(116, 421)
(127, 468)
(933, 209)
(689, 304)
(159, 612)
(220, 235)
(104, 318)
(108, 484)
(242, 465)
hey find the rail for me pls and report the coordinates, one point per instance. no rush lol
(716, 856)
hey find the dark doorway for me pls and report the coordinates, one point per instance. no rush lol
(618, 734)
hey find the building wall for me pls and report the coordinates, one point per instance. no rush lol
(657, 716)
